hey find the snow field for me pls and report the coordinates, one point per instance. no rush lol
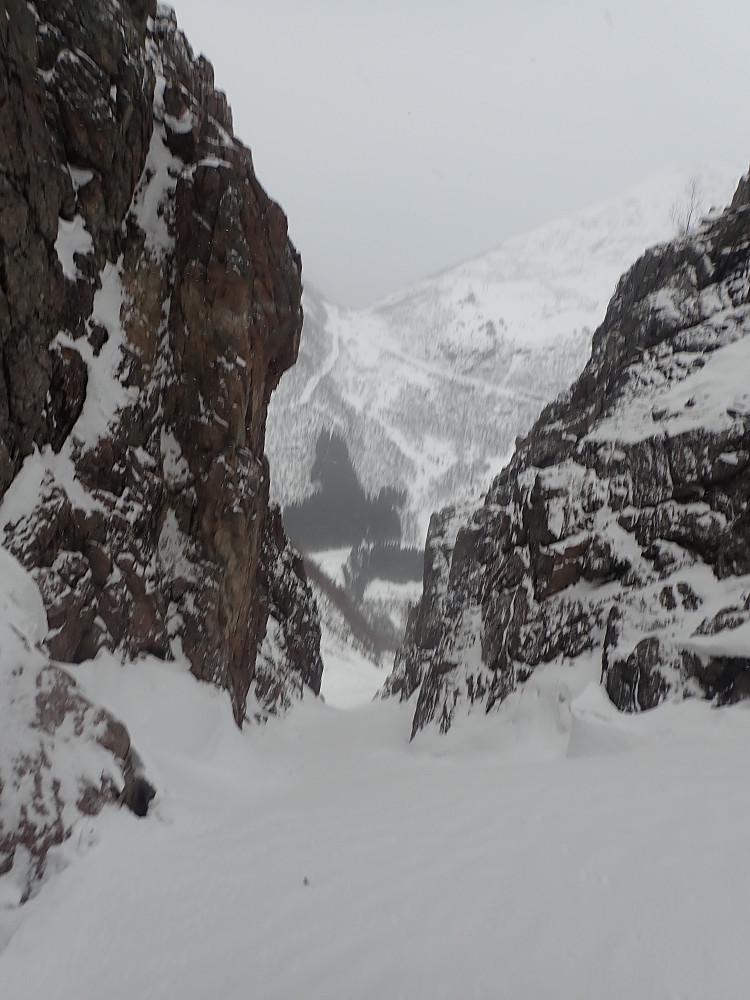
(350, 679)
(554, 849)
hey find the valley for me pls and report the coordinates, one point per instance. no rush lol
(400, 651)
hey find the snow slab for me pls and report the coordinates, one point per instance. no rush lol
(325, 856)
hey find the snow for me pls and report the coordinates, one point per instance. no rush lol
(21, 605)
(555, 849)
(728, 642)
(79, 177)
(387, 590)
(173, 549)
(72, 238)
(39, 471)
(332, 562)
(350, 679)
(176, 468)
(154, 193)
(214, 162)
(105, 393)
(689, 401)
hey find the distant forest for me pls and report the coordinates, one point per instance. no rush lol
(381, 561)
(341, 515)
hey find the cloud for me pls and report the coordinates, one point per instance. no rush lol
(404, 137)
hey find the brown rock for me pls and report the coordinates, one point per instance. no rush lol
(152, 561)
(157, 532)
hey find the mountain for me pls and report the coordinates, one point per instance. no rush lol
(556, 847)
(149, 302)
(430, 388)
(616, 543)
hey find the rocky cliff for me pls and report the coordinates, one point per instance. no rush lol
(620, 530)
(149, 303)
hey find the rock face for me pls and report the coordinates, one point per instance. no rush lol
(288, 659)
(149, 303)
(621, 527)
(62, 758)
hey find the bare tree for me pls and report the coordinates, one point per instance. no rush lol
(687, 210)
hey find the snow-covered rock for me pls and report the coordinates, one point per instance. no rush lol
(152, 304)
(62, 758)
(149, 302)
(621, 527)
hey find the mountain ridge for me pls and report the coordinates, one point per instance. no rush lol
(499, 336)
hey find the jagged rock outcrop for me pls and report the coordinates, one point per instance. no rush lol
(149, 303)
(62, 758)
(288, 660)
(621, 527)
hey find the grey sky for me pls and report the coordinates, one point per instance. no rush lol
(403, 136)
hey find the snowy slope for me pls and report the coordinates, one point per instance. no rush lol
(557, 851)
(431, 387)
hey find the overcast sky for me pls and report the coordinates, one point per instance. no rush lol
(403, 136)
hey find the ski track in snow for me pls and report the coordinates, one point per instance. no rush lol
(480, 384)
(327, 368)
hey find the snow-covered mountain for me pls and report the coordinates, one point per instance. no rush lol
(557, 848)
(431, 387)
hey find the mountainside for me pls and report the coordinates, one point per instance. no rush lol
(618, 537)
(430, 388)
(554, 848)
(149, 302)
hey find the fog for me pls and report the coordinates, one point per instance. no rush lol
(403, 137)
